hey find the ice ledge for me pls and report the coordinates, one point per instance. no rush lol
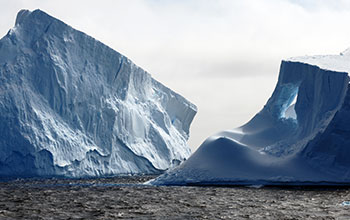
(337, 63)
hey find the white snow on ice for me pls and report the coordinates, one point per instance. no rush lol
(339, 63)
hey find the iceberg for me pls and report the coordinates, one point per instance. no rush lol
(71, 106)
(300, 137)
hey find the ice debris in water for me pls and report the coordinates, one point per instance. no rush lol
(345, 203)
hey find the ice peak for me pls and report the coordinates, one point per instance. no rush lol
(36, 22)
(25, 14)
(22, 15)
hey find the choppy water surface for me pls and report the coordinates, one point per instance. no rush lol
(126, 198)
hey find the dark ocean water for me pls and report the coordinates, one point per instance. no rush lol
(127, 198)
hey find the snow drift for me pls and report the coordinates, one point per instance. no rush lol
(71, 106)
(300, 137)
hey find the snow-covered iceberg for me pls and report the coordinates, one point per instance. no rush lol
(71, 106)
(300, 137)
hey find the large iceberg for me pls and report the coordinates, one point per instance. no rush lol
(300, 137)
(71, 106)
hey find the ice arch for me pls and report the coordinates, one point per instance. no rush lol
(301, 136)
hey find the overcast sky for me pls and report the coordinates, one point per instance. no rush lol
(223, 55)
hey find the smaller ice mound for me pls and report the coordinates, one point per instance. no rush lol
(300, 137)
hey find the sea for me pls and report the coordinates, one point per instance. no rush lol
(128, 198)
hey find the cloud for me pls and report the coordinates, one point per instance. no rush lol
(312, 5)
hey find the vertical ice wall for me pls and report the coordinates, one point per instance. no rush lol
(72, 106)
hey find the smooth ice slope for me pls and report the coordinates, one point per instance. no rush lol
(300, 137)
(71, 106)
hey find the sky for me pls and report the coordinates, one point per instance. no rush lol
(222, 55)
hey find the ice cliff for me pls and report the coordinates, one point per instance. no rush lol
(71, 106)
(300, 137)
